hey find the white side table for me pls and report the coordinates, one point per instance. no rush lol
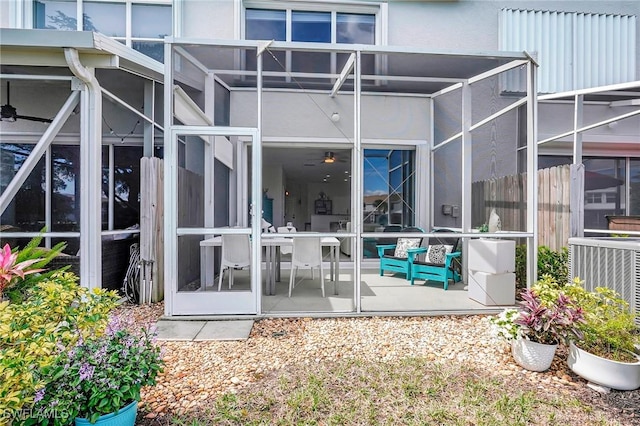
(491, 266)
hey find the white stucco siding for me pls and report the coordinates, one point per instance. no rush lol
(474, 24)
(6, 10)
(308, 115)
(444, 25)
(212, 19)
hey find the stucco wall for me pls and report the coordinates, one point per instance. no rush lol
(474, 24)
(308, 115)
(208, 19)
(5, 14)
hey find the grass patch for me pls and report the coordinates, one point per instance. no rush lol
(408, 392)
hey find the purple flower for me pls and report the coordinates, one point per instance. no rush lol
(115, 325)
(86, 371)
(101, 353)
(39, 395)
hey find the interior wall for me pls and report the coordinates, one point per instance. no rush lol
(273, 180)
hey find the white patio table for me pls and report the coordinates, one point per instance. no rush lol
(272, 259)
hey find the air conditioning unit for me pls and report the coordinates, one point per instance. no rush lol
(608, 262)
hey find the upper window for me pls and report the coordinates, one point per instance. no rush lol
(310, 26)
(150, 22)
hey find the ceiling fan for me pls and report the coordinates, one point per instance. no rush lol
(328, 158)
(9, 113)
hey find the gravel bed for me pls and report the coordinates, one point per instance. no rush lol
(198, 372)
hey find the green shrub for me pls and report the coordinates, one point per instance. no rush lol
(31, 332)
(552, 263)
(609, 330)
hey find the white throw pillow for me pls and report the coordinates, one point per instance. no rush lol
(405, 244)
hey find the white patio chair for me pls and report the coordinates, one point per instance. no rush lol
(285, 230)
(236, 254)
(307, 253)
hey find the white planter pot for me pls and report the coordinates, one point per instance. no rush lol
(532, 355)
(605, 372)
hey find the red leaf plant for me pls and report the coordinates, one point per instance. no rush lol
(551, 324)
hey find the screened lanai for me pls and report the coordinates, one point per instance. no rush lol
(79, 111)
(350, 145)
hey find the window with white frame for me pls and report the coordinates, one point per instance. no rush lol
(327, 23)
(141, 25)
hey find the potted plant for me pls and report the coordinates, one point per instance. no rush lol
(535, 330)
(98, 380)
(606, 353)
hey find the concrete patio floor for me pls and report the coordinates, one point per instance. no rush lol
(387, 294)
(390, 294)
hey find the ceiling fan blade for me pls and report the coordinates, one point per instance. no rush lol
(28, 117)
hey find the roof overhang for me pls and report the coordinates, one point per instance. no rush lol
(25, 47)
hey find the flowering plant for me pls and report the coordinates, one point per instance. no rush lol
(550, 323)
(99, 375)
(11, 269)
(504, 324)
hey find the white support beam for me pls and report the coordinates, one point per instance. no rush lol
(170, 189)
(150, 115)
(256, 193)
(532, 174)
(346, 70)
(578, 122)
(467, 168)
(451, 88)
(628, 102)
(40, 148)
(112, 187)
(192, 59)
(448, 140)
(498, 70)
(357, 180)
(499, 113)
(117, 100)
(39, 77)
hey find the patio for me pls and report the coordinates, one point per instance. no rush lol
(388, 294)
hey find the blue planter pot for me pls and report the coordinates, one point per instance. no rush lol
(126, 416)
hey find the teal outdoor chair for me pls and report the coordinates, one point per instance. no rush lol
(441, 262)
(394, 257)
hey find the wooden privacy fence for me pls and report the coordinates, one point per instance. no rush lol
(190, 193)
(152, 225)
(508, 195)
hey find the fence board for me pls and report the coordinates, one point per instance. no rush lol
(508, 195)
(151, 225)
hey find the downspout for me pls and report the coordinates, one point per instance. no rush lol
(90, 172)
